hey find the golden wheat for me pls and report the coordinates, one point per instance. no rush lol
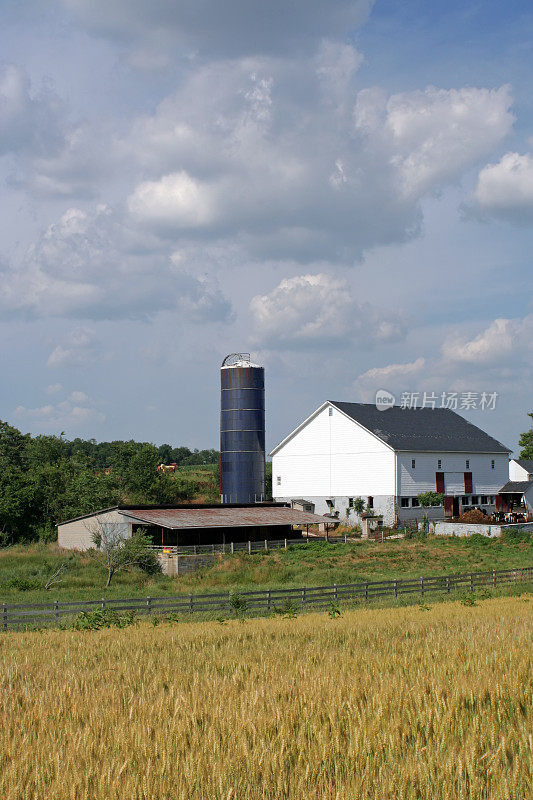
(401, 703)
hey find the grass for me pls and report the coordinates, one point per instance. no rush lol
(24, 569)
(430, 702)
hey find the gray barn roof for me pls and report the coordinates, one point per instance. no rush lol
(525, 464)
(422, 429)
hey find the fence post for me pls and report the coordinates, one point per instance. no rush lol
(421, 587)
(56, 609)
(335, 594)
(366, 592)
(471, 582)
(494, 577)
(4, 616)
(232, 549)
(395, 588)
(103, 602)
(268, 600)
(447, 583)
(194, 549)
(249, 547)
(266, 545)
(303, 596)
(149, 604)
(190, 603)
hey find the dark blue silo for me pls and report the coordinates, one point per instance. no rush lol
(242, 430)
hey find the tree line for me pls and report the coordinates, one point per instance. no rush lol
(46, 479)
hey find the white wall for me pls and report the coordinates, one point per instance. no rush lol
(77, 535)
(485, 480)
(333, 456)
(516, 472)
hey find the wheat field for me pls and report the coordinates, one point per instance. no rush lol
(430, 703)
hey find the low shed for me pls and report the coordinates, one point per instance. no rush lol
(189, 524)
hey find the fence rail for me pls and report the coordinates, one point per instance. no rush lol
(34, 614)
(248, 546)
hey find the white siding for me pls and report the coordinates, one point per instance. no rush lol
(333, 456)
(485, 480)
(77, 535)
(517, 473)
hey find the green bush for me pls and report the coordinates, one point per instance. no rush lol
(514, 536)
(20, 583)
(102, 618)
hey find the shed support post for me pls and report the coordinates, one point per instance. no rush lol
(249, 547)
(307, 533)
(232, 548)
(285, 544)
(266, 545)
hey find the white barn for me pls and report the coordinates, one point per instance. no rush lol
(348, 450)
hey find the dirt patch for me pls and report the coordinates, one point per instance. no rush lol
(475, 516)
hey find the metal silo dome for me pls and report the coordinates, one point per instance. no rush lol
(242, 430)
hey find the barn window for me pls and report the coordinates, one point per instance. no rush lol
(475, 500)
(467, 463)
(370, 502)
(278, 480)
(492, 464)
(484, 500)
(330, 411)
(413, 463)
(330, 503)
(405, 502)
(439, 463)
(350, 502)
(465, 501)
(415, 502)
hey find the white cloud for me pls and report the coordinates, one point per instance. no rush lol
(432, 136)
(505, 189)
(236, 155)
(499, 341)
(98, 266)
(392, 377)
(318, 310)
(157, 29)
(54, 388)
(174, 201)
(29, 119)
(77, 412)
(79, 348)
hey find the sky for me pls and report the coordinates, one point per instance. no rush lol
(342, 189)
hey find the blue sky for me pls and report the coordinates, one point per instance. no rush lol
(343, 189)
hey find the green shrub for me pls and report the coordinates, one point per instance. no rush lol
(102, 618)
(20, 584)
(514, 536)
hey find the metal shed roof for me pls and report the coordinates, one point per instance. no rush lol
(222, 517)
(516, 487)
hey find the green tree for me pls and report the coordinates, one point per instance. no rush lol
(117, 553)
(427, 499)
(526, 442)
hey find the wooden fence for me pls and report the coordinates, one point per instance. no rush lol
(258, 546)
(38, 614)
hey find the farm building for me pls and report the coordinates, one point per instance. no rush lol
(188, 524)
(345, 451)
(520, 469)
